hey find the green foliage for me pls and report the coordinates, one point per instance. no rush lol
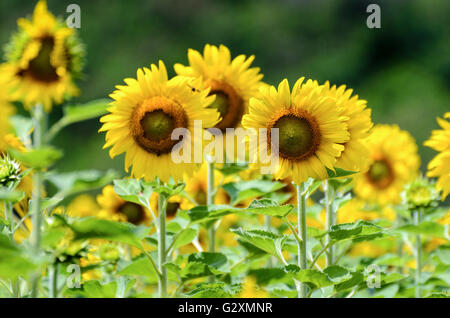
(38, 158)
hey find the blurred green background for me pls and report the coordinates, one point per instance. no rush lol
(402, 69)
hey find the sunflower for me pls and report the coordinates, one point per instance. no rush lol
(143, 116)
(357, 209)
(311, 128)
(113, 207)
(82, 206)
(393, 163)
(175, 203)
(6, 111)
(355, 154)
(233, 82)
(43, 59)
(196, 186)
(440, 165)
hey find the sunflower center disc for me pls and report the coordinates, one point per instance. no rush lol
(172, 208)
(380, 173)
(40, 67)
(200, 197)
(132, 211)
(228, 103)
(153, 122)
(296, 136)
(157, 125)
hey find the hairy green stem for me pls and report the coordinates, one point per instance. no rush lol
(210, 201)
(330, 220)
(162, 255)
(53, 281)
(39, 118)
(418, 256)
(301, 220)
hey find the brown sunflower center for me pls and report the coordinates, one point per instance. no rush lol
(40, 67)
(134, 212)
(380, 173)
(154, 121)
(228, 103)
(299, 134)
(171, 209)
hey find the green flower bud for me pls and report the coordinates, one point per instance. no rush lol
(109, 252)
(9, 172)
(421, 193)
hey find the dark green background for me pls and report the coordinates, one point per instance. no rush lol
(402, 69)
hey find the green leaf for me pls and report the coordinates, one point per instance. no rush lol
(80, 181)
(311, 276)
(214, 260)
(37, 158)
(94, 289)
(244, 190)
(213, 290)
(203, 213)
(90, 110)
(13, 260)
(93, 228)
(311, 185)
(269, 207)
(359, 230)
(135, 191)
(11, 196)
(232, 168)
(262, 239)
(201, 265)
(337, 274)
(185, 237)
(426, 228)
(265, 276)
(356, 278)
(339, 173)
(139, 266)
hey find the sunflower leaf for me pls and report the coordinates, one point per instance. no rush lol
(37, 158)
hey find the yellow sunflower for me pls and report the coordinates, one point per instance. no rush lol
(175, 203)
(6, 111)
(311, 128)
(143, 116)
(440, 165)
(355, 154)
(196, 186)
(233, 82)
(393, 163)
(357, 209)
(113, 207)
(82, 206)
(43, 59)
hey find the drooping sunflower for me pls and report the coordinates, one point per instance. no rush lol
(113, 207)
(355, 155)
(232, 81)
(440, 165)
(143, 116)
(393, 162)
(42, 60)
(312, 129)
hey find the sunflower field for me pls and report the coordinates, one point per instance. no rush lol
(207, 181)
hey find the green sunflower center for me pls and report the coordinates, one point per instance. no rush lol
(157, 125)
(134, 212)
(380, 173)
(40, 68)
(154, 121)
(200, 197)
(297, 136)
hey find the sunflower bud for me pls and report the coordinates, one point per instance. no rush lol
(421, 193)
(109, 252)
(9, 172)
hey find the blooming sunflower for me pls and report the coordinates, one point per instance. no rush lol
(113, 207)
(143, 116)
(393, 162)
(311, 128)
(355, 154)
(43, 59)
(440, 165)
(82, 206)
(233, 82)
(356, 209)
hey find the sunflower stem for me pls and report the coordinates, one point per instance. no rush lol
(53, 281)
(301, 220)
(330, 220)
(267, 220)
(39, 118)
(210, 201)
(162, 253)
(418, 256)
